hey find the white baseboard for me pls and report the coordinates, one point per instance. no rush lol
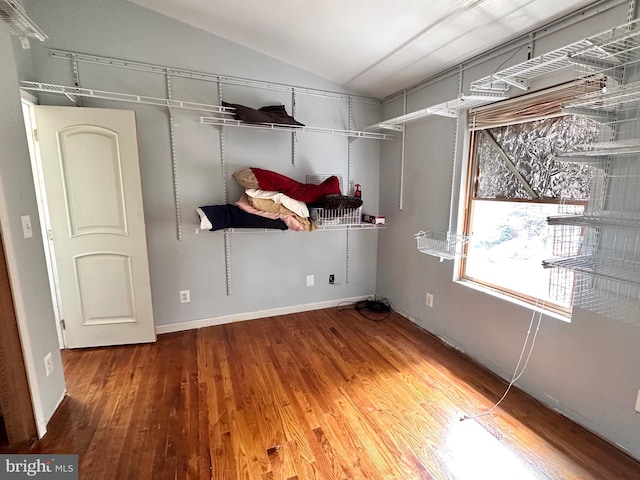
(240, 317)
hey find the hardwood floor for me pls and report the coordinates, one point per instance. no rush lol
(322, 395)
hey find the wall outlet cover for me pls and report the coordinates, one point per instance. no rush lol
(185, 296)
(429, 300)
(48, 364)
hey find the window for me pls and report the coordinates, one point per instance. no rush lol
(515, 182)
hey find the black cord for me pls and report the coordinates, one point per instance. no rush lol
(371, 304)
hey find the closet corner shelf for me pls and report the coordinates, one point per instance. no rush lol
(227, 122)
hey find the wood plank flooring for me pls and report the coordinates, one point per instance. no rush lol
(317, 395)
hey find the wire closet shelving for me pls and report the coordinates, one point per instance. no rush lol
(445, 245)
(597, 263)
(19, 22)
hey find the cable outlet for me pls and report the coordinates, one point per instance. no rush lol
(185, 296)
(429, 300)
(48, 363)
(332, 279)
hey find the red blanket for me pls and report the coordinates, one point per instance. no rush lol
(305, 192)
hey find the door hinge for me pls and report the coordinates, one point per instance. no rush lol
(64, 325)
(35, 134)
(50, 234)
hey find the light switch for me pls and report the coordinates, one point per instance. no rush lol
(26, 226)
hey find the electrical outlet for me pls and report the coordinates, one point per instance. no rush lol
(311, 280)
(429, 300)
(638, 402)
(332, 279)
(26, 226)
(185, 296)
(48, 363)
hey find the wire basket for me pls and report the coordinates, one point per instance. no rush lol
(336, 216)
(445, 245)
(610, 298)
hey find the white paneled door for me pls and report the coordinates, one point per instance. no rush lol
(92, 179)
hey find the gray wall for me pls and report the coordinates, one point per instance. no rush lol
(268, 270)
(588, 369)
(25, 257)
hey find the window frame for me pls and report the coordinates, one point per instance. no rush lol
(469, 189)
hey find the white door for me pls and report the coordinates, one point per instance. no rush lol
(92, 180)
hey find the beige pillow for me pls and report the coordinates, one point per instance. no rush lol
(246, 178)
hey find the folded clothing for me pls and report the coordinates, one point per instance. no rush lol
(274, 182)
(268, 114)
(266, 208)
(219, 217)
(290, 218)
(295, 206)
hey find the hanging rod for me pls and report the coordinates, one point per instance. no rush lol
(210, 77)
(449, 108)
(226, 122)
(123, 97)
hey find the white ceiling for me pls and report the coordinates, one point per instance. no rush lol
(373, 47)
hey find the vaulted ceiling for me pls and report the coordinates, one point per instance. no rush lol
(373, 47)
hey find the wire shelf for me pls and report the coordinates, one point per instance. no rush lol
(445, 245)
(610, 298)
(614, 266)
(561, 286)
(597, 251)
(123, 97)
(617, 98)
(449, 108)
(320, 228)
(327, 217)
(608, 253)
(613, 219)
(604, 52)
(226, 122)
(19, 22)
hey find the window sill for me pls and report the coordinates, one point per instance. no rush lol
(508, 298)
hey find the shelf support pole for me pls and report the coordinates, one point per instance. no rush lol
(76, 80)
(402, 152)
(294, 136)
(223, 165)
(454, 170)
(348, 187)
(174, 160)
